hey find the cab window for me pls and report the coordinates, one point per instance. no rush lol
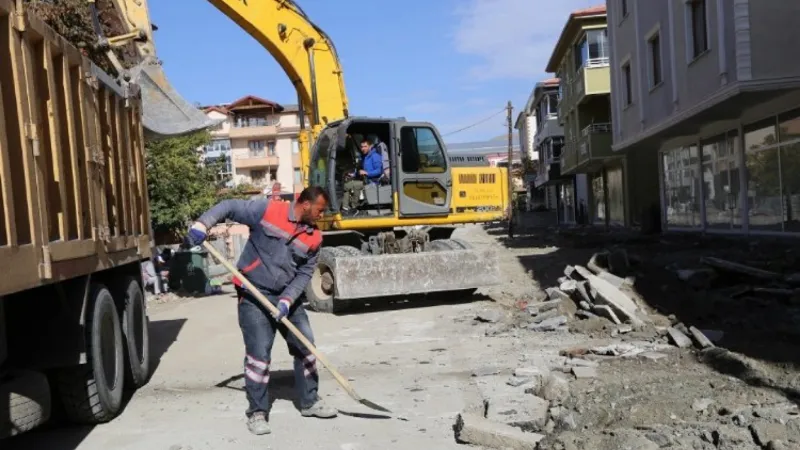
(421, 151)
(319, 165)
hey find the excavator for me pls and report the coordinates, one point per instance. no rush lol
(399, 241)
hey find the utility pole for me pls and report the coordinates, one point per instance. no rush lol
(510, 178)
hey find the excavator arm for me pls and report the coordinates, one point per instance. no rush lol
(302, 49)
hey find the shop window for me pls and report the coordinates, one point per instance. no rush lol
(721, 185)
(681, 187)
(764, 199)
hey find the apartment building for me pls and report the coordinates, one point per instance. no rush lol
(706, 109)
(259, 143)
(581, 62)
(549, 185)
(526, 130)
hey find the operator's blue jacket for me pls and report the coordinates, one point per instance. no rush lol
(372, 163)
(281, 253)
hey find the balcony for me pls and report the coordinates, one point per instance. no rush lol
(589, 151)
(255, 160)
(549, 128)
(253, 132)
(594, 78)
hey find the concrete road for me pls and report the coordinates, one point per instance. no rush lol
(413, 360)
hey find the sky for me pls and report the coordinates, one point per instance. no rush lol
(470, 56)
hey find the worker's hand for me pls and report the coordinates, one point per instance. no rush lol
(362, 172)
(196, 235)
(283, 309)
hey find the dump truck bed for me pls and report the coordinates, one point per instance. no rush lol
(72, 167)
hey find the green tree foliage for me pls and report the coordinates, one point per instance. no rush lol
(180, 186)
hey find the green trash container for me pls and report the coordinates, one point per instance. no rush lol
(188, 272)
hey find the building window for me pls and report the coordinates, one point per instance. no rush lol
(298, 177)
(592, 50)
(698, 27)
(624, 7)
(256, 148)
(682, 187)
(271, 148)
(762, 157)
(273, 174)
(257, 176)
(720, 179)
(295, 146)
(628, 80)
(552, 104)
(654, 46)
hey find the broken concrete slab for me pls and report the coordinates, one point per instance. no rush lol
(550, 324)
(569, 286)
(678, 338)
(584, 372)
(476, 430)
(556, 294)
(526, 412)
(700, 338)
(538, 308)
(607, 312)
(541, 317)
(623, 305)
(612, 279)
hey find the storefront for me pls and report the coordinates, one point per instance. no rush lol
(742, 181)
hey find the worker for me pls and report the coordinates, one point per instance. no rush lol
(278, 259)
(371, 170)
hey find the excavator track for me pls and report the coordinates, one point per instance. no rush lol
(345, 273)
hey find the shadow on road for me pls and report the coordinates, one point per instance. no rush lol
(59, 434)
(762, 326)
(398, 303)
(281, 387)
(163, 333)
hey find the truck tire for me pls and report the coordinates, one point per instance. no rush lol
(136, 334)
(92, 393)
(26, 402)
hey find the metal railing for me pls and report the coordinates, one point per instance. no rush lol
(596, 128)
(596, 62)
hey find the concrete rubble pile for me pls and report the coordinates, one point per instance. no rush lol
(596, 393)
(596, 290)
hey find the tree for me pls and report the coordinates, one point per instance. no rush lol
(180, 186)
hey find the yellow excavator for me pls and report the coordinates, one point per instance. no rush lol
(400, 241)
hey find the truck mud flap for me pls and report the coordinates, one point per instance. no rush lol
(414, 273)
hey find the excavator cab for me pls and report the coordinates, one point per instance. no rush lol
(418, 174)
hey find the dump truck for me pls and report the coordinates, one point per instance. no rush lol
(74, 230)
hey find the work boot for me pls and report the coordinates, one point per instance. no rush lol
(319, 409)
(257, 423)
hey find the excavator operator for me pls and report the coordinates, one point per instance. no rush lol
(371, 171)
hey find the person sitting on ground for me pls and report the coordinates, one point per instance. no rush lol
(371, 171)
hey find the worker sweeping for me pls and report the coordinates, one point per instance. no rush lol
(279, 258)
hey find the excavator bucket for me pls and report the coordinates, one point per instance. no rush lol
(165, 112)
(367, 276)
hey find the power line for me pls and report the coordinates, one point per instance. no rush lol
(476, 123)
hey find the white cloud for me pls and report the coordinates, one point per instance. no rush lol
(512, 38)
